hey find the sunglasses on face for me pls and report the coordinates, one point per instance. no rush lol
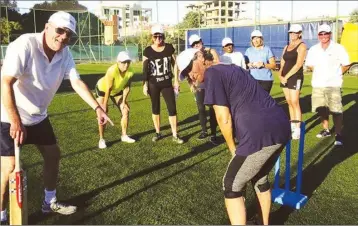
(294, 33)
(324, 34)
(228, 45)
(158, 36)
(61, 31)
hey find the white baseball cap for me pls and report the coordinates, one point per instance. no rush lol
(62, 19)
(194, 38)
(157, 29)
(256, 33)
(295, 28)
(226, 41)
(184, 59)
(325, 28)
(123, 56)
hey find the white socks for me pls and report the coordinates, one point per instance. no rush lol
(50, 196)
(3, 215)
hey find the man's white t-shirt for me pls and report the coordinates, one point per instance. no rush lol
(37, 79)
(233, 58)
(327, 64)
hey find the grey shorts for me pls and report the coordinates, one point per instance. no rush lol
(330, 97)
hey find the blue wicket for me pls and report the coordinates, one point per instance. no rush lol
(284, 196)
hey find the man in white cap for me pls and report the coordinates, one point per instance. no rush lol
(329, 61)
(115, 85)
(237, 98)
(33, 69)
(229, 55)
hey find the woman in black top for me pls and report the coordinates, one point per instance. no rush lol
(291, 76)
(158, 61)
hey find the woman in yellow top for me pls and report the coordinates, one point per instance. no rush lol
(116, 85)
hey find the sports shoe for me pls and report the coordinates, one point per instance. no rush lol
(202, 136)
(296, 133)
(102, 144)
(214, 140)
(339, 140)
(324, 133)
(57, 207)
(177, 140)
(127, 139)
(157, 137)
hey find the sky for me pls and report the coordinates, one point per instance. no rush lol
(172, 12)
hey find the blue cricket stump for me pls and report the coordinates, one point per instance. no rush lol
(284, 196)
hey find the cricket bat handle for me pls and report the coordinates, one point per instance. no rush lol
(17, 157)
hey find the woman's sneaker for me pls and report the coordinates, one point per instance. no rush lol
(324, 133)
(177, 140)
(157, 137)
(339, 140)
(127, 139)
(102, 144)
(57, 207)
(202, 136)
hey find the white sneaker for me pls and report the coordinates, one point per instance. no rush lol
(102, 144)
(127, 139)
(296, 134)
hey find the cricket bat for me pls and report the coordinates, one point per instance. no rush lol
(18, 192)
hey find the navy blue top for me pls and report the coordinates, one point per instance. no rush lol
(259, 121)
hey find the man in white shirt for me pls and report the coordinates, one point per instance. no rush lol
(33, 69)
(328, 61)
(230, 56)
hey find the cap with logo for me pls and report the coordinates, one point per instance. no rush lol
(295, 28)
(256, 33)
(184, 59)
(226, 41)
(157, 29)
(63, 20)
(194, 38)
(324, 28)
(123, 56)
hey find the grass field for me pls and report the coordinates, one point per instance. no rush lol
(166, 183)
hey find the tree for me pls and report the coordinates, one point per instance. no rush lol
(353, 16)
(8, 3)
(7, 28)
(191, 20)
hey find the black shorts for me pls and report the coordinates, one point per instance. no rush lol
(266, 85)
(294, 82)
(99, 93)
(41, 134)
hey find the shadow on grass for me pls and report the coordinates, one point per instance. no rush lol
(83, 200)
(315, 173)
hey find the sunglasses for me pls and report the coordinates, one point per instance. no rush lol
(324, 33)
(158, 36)
(61, 31)
(295, 33)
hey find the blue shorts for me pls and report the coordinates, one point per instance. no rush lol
(41, 134)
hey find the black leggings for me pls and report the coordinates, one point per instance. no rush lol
(168, 95)
(200, 95)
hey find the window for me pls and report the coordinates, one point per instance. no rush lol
(116, 12)
(136, 13)
(127, 15)
(230, 4)
(216, 3)
(106, 11)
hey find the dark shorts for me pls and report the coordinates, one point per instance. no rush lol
(99, 93)
(266, 85)
(294, 82)
(41, 134)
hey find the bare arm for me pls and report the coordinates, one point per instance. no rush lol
(345, 68)
(272, 64)
(282, 62)
(215, 55)
(224, 120)
(175, 70)
(109, 81)
(17, 130)
(301, 55)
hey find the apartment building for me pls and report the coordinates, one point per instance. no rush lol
(217, 12)
(131, 17)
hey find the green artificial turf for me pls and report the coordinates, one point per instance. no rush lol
(167, 183)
